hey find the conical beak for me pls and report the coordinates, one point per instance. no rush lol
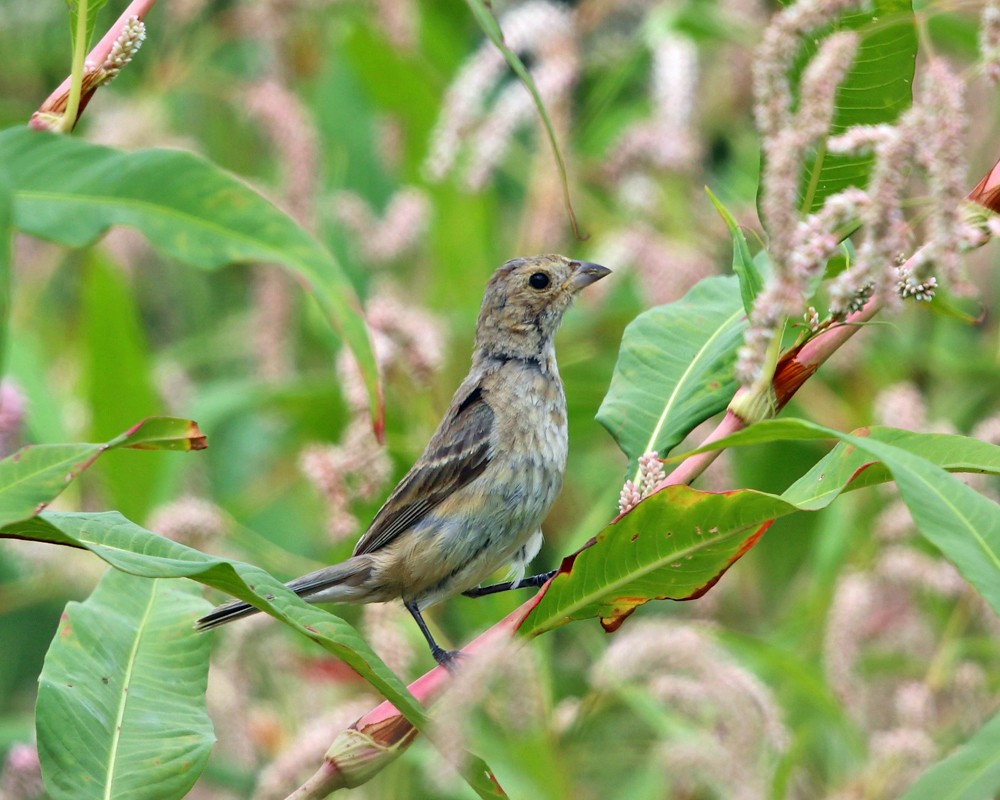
(585, 273)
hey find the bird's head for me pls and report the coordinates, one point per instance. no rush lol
(525, 301)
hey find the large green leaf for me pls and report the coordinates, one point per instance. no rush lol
(36, 474)
(130, 548)
(675, 368)
(877, 89)
(970, 773)
(121, 698)
(677, 543)
(960, 522)
(71, 192)
(673, 545)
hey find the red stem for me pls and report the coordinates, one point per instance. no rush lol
(793, 370)
(428, 686)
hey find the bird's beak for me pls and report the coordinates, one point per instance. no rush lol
(585, 273)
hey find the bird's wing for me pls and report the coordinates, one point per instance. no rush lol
(457, 453)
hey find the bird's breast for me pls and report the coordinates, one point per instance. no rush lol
(531, 421)
(529, 448)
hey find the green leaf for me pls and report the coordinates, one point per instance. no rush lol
(960, 522)
(161, 433)
(132, 549)
(121, 698)
(673, 545)
(877, 89)
(751, 281)
(71, 192)
(848, 467)
(678, 542)
(36, 474)
(970, 773)
(83, 20)
(675, 368)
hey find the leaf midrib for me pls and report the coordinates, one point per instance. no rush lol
(930, 487)
(661, 421)
(658, 563)
(126, 684)
(167, 211)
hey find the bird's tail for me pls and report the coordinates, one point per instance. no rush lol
(341, 583)
(228, 612)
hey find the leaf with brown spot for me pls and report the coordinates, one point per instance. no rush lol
(162, 433)
(36, 474)
(674, 545)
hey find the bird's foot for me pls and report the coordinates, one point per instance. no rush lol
(506, 586)
(449, 659)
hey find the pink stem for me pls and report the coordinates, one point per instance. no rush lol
(388, 733)
(55, 103)
(692, 467)
(821, 347)
(328, 778)
(428, 686)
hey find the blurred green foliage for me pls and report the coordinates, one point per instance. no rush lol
(102, 336)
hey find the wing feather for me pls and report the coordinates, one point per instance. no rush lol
(457, 454)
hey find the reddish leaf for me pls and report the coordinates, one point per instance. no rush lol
(674, 545)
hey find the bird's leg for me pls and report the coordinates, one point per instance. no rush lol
(446, 658)
(532, 580)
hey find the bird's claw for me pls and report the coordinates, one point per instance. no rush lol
(449, 659)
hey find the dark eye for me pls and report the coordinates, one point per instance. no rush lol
(539, 280)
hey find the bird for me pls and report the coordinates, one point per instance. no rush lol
(475, 499)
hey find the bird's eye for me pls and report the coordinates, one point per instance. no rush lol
(539, 280)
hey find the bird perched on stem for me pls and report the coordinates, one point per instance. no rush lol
(475, 499)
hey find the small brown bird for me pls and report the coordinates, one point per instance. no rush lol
(476, 497)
